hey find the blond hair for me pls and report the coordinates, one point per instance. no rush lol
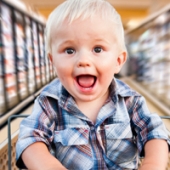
(83, 9)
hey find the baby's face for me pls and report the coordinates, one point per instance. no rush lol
(86, 57)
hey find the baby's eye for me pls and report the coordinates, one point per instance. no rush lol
(69, 51)
(97, 49)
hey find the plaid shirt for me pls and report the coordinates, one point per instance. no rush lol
(114, 142)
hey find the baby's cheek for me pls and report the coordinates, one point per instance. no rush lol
(61, 68)
(107, 74)
(63, 73)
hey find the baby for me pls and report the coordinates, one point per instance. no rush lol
(86, 119)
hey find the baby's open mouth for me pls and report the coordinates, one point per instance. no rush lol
(86, 81)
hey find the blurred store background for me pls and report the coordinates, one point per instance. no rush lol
(25, 69)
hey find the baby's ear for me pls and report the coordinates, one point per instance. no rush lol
(50, 57)
(121, 59)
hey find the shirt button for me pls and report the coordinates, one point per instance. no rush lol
(92, 128)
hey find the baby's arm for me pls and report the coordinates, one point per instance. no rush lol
(156, 155)
(35, 140)
(151, 136)
(37, 157)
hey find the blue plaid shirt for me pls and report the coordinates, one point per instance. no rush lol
(123, 126)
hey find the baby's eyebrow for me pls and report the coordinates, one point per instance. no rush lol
(66, 42)
(101, 40)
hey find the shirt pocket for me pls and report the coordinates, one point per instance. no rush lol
(120, 144)
(73, 149)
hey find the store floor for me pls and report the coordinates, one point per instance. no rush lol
(153, 106)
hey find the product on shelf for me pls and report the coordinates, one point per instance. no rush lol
(42, 52)
(21, 55)
(29, 53)
(8, 54)
(36, 55)
(2, 99)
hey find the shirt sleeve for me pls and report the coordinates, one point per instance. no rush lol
(39, 126)
(146, 125)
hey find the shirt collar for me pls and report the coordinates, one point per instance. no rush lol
(118, 87)
(56, 91)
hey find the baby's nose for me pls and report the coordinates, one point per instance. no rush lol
(83, 64)
(83, 60)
